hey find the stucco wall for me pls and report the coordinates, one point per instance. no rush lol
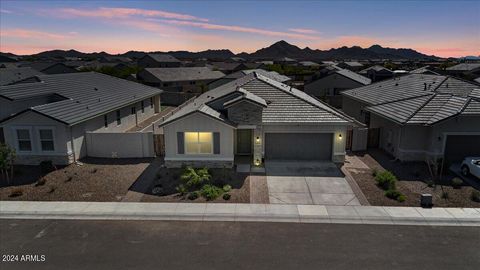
(120, 145)
(353, 108)
(321, 87)
(200, 123)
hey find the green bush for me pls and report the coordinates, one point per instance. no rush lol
(401, 198)
(475, 196)
(386, 180)
(392, 194)
(181, 189)
(457, 182)
(211, 192)
(193, 195)
(47, 167)
(195, 178)
(226, 196)
(444, 195)
(430, 183)
(227, 188)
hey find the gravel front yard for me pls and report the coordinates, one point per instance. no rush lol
(94, 180)
(412, 182)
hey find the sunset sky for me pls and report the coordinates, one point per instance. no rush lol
(442, 28)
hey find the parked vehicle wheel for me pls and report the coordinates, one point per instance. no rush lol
(465, 170)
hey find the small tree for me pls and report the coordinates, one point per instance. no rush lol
(7, 157)
(193, 177)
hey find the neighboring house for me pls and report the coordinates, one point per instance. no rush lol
(254, 65)
(418, 116)
(424, 70)
(13, 75)
(464, 69)
(285, 61)
(182, 79)
(351, 65)
(258, 118)
(7, 59)
(239, 74)
(377, 73)
(50, 67)
(160, 60)
(309, 64)
(228, 67)
(114, 59)
(53, 119)
(328, 88)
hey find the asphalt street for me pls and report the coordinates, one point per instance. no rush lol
(90, 244)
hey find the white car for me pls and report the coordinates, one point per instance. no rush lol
(471, 165)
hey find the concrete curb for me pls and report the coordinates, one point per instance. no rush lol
(241, 213)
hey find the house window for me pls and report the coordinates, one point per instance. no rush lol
(143, 106)
(134, 110)
(24, 140)
(105, 121)
(119, 118)
(199, 142)
(151, 103)
(46, 139)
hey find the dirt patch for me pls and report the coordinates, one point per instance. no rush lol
(168, 179)
(94, 180)
(412, 182)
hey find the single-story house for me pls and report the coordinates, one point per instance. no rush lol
(236, 75)
(13, 75)
(424, 70)
(328, 88)
(464, 69)
(377, 73)
(159, 60)
(257, 118)
(418, 116)
(52, 119)
(351, 65)
(50, 67)
(285, 61)
(308, 64)
(227, 67)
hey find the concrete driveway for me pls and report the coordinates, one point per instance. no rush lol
(307, 183)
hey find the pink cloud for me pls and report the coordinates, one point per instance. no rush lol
(32, 34)
(242, 29)
(303, 31)
(110, 13)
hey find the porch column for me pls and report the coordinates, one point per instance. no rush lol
(257, 146)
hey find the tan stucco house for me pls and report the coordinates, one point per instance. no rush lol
(257, 118)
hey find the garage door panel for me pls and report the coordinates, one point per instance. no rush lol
(298, 146)
(460, 146)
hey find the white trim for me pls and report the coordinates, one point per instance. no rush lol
(246, 127)
(39, 139)
(198, 143)
(30, 133)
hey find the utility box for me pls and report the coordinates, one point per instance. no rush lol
(426, 200)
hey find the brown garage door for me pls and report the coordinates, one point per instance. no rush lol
(461, 146)
(298, 146)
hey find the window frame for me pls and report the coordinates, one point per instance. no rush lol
(198, 143)
(17, 141)
(40, 139)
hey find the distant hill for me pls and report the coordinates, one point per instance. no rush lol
(276, 50)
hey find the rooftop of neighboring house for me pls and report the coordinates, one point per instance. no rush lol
(226, 66)
(41, 66)
(464, 67)
(376, 68)
(423, 70)
(353, 64)
(419, 98)
(12, 75)
(184, 74)
(286, 59)
(309, 64)
(162, 57)
(270, 74)
(281, 103)
(79, 96)
(354, 76)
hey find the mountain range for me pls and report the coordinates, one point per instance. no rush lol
(276, 50)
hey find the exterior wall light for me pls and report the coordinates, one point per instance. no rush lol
(340, 136)
(257, 162)
(257, 140)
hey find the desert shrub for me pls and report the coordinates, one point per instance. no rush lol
(41, 182)
(374, 172)
(430, 183)
(444, 195)
(157, 190)
(226, 196)
(475, 196)
(47, 167)
(193, 195)
(193, 178)
(51, 189)
(227, 188)
(94, 170)
(181, 189)
(457, 182)
(386, 180)
(401, 198)
(211, 192)
(16, 193)
(392, 194)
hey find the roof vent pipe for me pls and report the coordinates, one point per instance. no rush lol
(424, 86)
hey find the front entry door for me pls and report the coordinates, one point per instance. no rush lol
(244, 141)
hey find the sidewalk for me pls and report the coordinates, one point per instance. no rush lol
(241, 212)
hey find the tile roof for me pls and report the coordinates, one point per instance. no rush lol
(284, 103)
(162, 57)
(184, 74)
(353, 64)
(375, 68)
(423, 70)
(12, 75)
(86, 95)
(464, 67)
(417, 98)
(354, 76)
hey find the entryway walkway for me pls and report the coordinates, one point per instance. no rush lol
(305, 182)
